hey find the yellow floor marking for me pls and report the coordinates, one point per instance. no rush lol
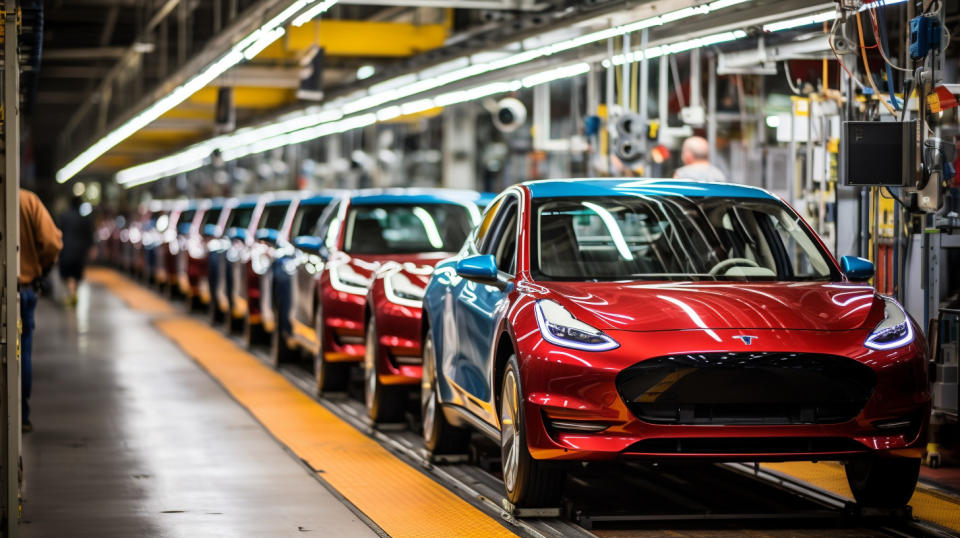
(136, 296)
(398, 498)
(927, 505)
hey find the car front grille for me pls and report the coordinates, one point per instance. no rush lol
(746, 388)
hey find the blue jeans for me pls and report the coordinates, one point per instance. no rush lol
(28, 303)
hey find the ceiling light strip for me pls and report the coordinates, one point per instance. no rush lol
(246, 48)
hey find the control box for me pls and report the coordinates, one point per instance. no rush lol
(879, 153)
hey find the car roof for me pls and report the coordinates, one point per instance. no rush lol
(319, 199)
(556, 188)
(418, 196)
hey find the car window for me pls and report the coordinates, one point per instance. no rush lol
(186, 217)
(674, 238)
(406, 228)
(211, 216)
(487, 221)
(240, 217)
(502, 241)
(307, 218)
(272, 217)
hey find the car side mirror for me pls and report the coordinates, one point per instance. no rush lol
(184, 228)
(308, 243)
(480, 267)
(856, 269)
(237, 233)
(267, 236)
(210, 230)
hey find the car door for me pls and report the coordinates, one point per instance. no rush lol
(479, 308)
(308, 266)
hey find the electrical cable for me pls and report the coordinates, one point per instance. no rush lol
(786, 72)
(837, 55)
(876, 35)
(866, 67)
(880, 35)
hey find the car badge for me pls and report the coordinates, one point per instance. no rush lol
(747, 340)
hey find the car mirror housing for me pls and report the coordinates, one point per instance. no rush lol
(308, 243)
(856, 269)
(267, 235)
(480, 267)
(210, 230)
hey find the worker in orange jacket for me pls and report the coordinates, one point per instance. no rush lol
(40, 244)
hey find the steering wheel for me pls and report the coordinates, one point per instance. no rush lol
(730, 263)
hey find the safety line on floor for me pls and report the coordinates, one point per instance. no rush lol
(134, 295)
(927, 505)
(398, 498)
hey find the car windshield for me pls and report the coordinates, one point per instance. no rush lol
(406, 228)
(273, 216)
(673, 238)
(211, 216)
(240, 217)
(305, 221)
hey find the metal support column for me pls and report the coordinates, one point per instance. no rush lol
(712, 107)
(10, 238)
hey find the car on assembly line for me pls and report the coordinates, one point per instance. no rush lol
(393, 352)
(234, 246)
(360, 233)
(269, 244)
(296, 245)
(193, 256)
(668, 320)
(174, 241)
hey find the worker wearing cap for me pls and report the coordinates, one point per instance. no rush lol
(695, 155)
(40, 244)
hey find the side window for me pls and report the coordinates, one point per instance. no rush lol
(502, 241)
(487, 222)
(328, 227)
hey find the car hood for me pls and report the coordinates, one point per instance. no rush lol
(822, 306)
(418, 267)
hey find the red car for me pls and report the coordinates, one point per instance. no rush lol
(362, 233)
(393, 359)
(192, 258)
(668, 320)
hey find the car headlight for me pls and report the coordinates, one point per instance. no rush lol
(344, 278)
(894, 331)
(559, 327)
(401, 291)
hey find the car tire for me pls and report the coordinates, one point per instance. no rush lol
(383, 403)
(529, 483)
(252, 333)
(439, 436)
(330, 376)
(280, 352)
(883, 482)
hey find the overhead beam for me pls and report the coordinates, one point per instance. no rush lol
(92, 53)
(73, 71)
(358, 39)
(524, 5)
(260, 77)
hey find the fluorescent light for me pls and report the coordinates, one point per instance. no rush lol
(456, 70)
(265, 41)
(244, 49)
(555, 74)
(313, 12)
(800, 21)
(366, 71)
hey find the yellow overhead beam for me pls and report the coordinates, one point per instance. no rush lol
(246, 97)
(357, 38)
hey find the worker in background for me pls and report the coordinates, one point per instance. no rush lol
(695, 155)
(77, 241)
(40, 243)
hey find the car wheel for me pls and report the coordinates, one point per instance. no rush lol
(280, 352)
(528, 482)
(252, 334)
(384, 403)
(330, 376)
(883, 482)
(439, 436)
